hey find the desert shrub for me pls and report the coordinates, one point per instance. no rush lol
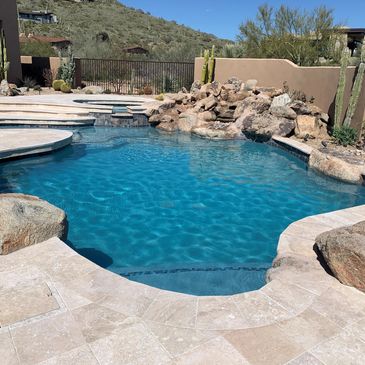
(37, 88)
(160, 97)
(28, 82)
(66, 88)
(345, 136)
(292, 33)
(56, 84)
(48, 77)
(147, 90)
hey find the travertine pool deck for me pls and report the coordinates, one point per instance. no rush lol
(19, 142)
(57, 307)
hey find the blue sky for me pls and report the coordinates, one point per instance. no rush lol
(224, 17)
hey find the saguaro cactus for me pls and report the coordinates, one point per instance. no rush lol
(341, 87)
(356, 90)
(204, 78)
(211, 66)
(4, 64)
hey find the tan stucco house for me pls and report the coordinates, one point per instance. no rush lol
(9, 21)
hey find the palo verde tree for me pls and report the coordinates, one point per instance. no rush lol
(300, 36)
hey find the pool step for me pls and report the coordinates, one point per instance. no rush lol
(51, 120)
(129, 120)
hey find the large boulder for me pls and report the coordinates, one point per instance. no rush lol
(187, 121)
(263, 126)
(217, 130)
(26, 220)
(256, 104)
(281, 100)
(335, 167)
(283, 112)
(5, 88)
(308, 125)
(344, 252)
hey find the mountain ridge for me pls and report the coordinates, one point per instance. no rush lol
(121, 26)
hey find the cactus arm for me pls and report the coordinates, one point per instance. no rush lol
(204, 78)
(356, 90)
(355, 95)
(341, 87)
(211, 66)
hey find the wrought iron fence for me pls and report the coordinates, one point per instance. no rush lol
(136, 77)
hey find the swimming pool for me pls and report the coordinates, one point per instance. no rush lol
(174, 211)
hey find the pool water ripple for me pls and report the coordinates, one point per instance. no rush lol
(174, 211)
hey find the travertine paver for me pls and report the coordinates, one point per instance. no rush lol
(23, 142)
(67, 310)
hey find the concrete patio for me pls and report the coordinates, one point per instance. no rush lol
(57, 307)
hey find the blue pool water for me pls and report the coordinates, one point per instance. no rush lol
(174, 211)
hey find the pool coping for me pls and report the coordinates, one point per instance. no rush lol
(302, 313)
(29, 141)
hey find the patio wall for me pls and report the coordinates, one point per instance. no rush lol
(319, 82)
(9, 19)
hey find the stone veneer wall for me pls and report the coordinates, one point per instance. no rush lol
(319, 82)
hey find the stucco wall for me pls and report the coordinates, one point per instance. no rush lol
(319, 82)
(9, 18)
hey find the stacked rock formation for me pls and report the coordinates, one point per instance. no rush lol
(238, 110)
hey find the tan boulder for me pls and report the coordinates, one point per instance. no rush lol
(344, 252)
(208, 116)
(27, 220)
(217, 131)
(187, 121)
(308, 125)
(283, 112)
(168, 126)
(335, 167)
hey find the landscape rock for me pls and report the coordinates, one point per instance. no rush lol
(209, 103)
(187, 121)
(27, 220)
(263, 127)
(93, 89)
(283, 112)
(167, 126)
(250, 84)
(236, 82)
(207, 116)
(343, 250)
(196, 86)
(308, 125)
(5, 89)
(300, 107)
(166, 105)
(335, 167)
(281, 100)
(256, 104)
(218, 131)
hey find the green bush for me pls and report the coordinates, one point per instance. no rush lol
(160, 97)
(345, 136)
(66, 88)
(56, 84)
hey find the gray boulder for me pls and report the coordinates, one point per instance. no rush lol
(281, 100)
(262, 127)
(344, 252)
(26, 220)
(283, 112)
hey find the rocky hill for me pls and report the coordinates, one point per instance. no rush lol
(104, 28)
